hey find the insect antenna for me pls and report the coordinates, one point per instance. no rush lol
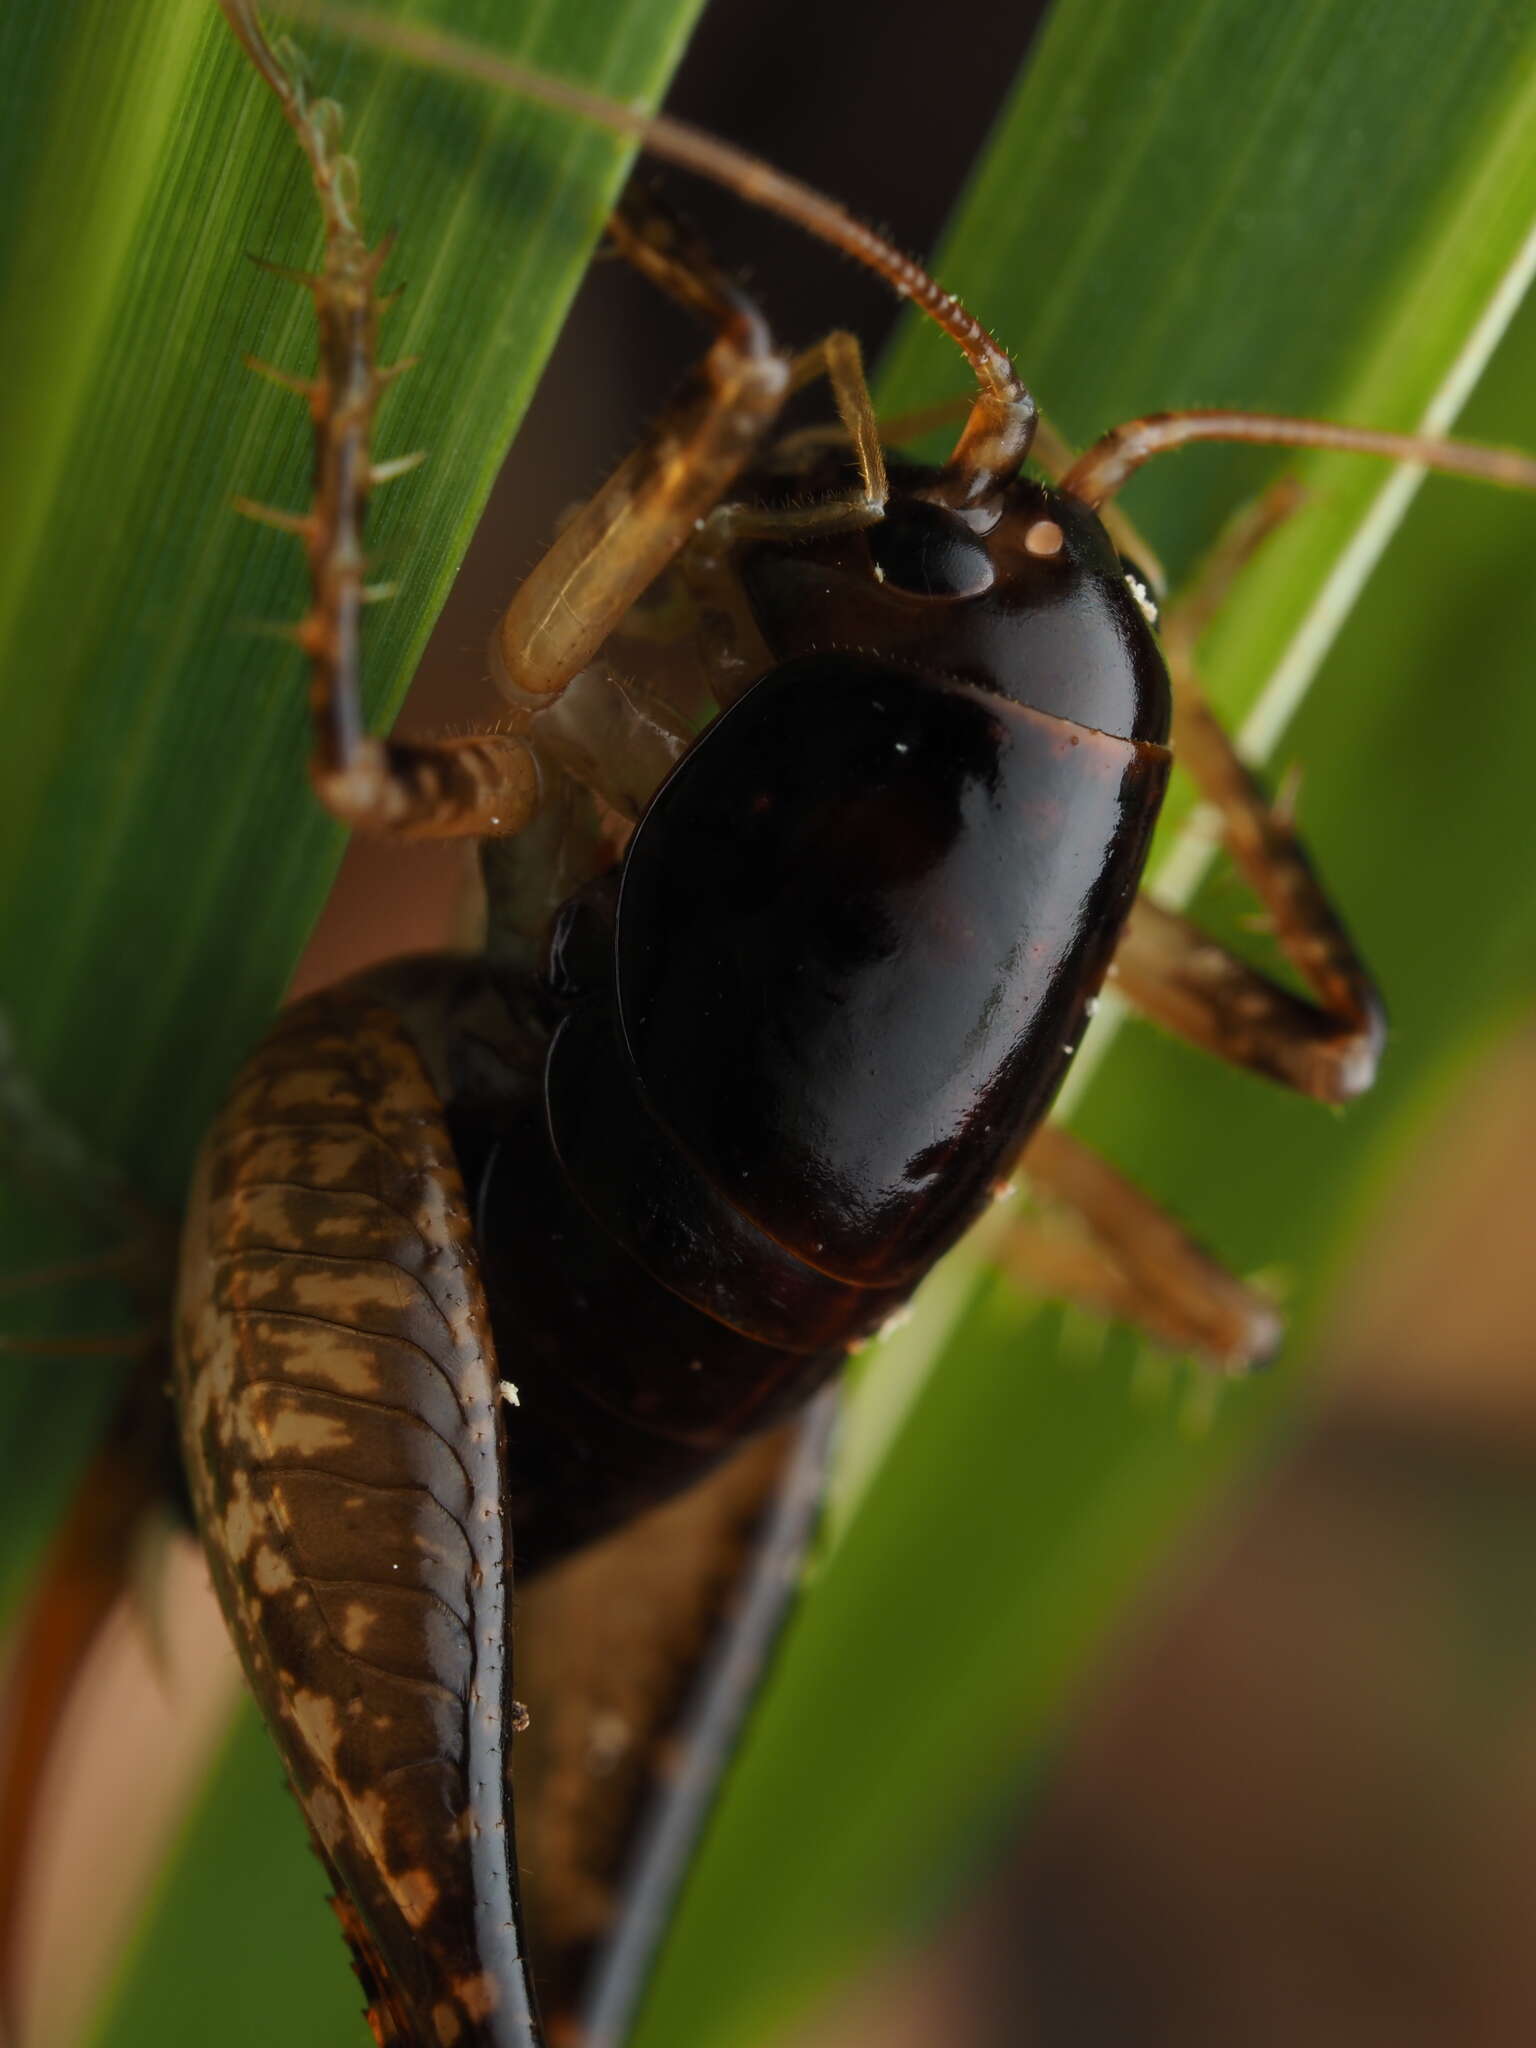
(1000, 427)
(1096, 475)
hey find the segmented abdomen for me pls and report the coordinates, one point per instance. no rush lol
(343, 1436)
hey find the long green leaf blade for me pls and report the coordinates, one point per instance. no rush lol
(161, 857)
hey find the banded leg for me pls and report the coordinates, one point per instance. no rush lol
(443, 788)
(1167, 967)
(1130, 1260)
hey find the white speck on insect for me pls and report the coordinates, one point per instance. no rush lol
(895, 1319)
(902, 747)
(1091, 1007)
(879, 573)
(1069, 1050)
(1146, 603)
(508, 1393)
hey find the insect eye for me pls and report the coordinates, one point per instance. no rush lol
(924, 549)
(1139, 584)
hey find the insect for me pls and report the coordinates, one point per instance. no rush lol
(441, 1070)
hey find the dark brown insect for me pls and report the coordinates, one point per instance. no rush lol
(762, 1017)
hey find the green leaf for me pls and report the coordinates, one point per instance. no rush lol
(1321, 209)
(237, 1944)
(161, 858)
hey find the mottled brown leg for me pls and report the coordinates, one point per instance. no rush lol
(1167, 967)
(1122, 1255)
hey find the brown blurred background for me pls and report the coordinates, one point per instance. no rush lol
(1300, 1804)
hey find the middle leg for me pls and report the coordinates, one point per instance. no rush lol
(1326, 1047)
(1126, 1257)
(1111, 1248)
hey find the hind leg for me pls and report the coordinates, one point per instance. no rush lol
(1125, 1256)
(1108, 1245)
(1326, 1044)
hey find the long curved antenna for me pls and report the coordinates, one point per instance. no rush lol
(997, 434)
(1095, 477)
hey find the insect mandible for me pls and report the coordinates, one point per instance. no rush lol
(776, 1245)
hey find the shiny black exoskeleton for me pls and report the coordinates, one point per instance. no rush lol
(832, 988)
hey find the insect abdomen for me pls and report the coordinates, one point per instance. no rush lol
(339, 1403)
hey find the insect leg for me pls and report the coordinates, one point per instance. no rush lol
(619, 1658)
(626, 535)
(436, 788)
(722, 1692)
(1052, 454)
(1130, 1259)
(838, 358)
(1169, 968)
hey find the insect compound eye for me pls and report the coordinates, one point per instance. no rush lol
(924, 549)
(1139, 584)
